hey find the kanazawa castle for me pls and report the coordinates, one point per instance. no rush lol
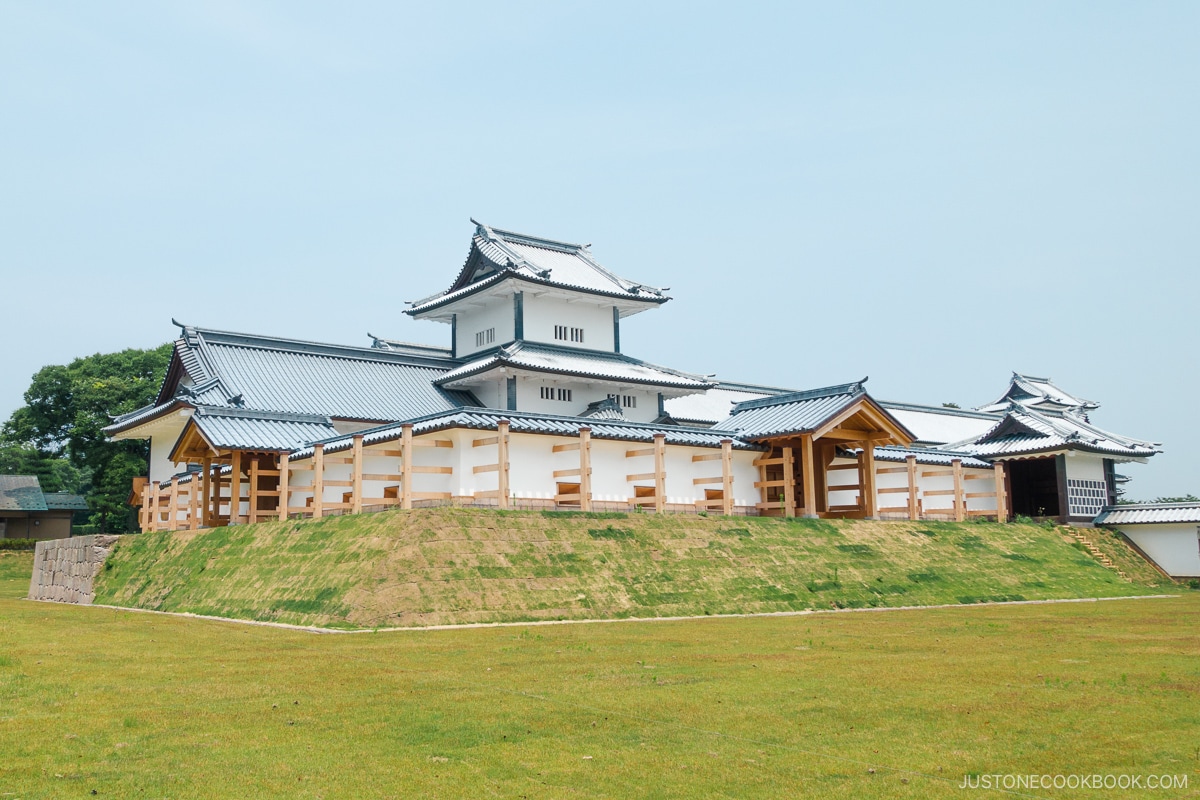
(535, 404)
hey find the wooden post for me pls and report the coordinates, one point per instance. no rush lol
(356, 477)
(206, 481)
(913, 511)
(173, 505)
(789, 483)
(235, 489)
(406, 468)
(585, 469)
(284, 479)
(194, 503)
(727, 477)
(870, 497)
(502, 459)
(153, 506)
(808, 469)
(824, 453)
(318, 481)
(960, 502)
(1001, 493)
(252, 512)
(145, 511)
(660, 472)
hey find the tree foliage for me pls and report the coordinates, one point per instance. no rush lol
(58, 432)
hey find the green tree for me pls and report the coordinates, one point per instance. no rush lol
(66, 408)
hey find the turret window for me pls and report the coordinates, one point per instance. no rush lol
(565, 333)
(554, 393)
(485, 337)
(626, 400)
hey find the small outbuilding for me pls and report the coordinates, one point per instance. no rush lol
(26, 512)
(1168, 533)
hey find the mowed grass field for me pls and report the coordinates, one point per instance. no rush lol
(106, 703)
(453, 566)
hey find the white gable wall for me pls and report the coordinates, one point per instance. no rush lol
(529, 397)
(498, 314)
(543, 312)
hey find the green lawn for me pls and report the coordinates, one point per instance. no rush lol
(439, 566)
(148, 706)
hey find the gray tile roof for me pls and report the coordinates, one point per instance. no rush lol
(238, 429)
(576, 363)
(524, 422)
(272, 374)
(62, 501)
(21, 493)
(1023, 430)
(717, 403)
(929, 456)
(798, 412)
(1149, 513)
(1040, 394)
(498, 255)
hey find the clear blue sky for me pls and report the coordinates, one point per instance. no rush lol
(930, 194)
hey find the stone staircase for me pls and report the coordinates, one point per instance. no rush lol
(1078, 535)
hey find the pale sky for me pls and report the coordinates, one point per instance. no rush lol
(933, 195)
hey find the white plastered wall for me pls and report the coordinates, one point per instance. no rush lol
(1174, 546)
(529, 397)
(498, 314)
(541, 314)
(975, 481)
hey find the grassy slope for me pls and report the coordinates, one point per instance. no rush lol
(457, 565)
(895, 705)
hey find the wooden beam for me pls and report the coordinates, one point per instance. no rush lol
(356, 475)
(417, 470)
(502, 447)
(585, 469)
(808, 473)
(235, 489)
(871, 504)
(853, 435)
(914, 512)
(702, 481)
(840, 467)
(645, 451)
(640, 476)
(565, 448)
(490, 440)
(406, 456)
(285, 474)
(318, 482)
(660, 472)
(485, 468)
(937, 473)
(767, 462)
(1001, 493)
(433, 443)
(960, 502)
(891, 471)
(789, 483)
(568, 473)
(706, 457)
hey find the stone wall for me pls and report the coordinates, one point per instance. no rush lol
(63, 569)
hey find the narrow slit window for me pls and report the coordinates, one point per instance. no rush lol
(485, 337)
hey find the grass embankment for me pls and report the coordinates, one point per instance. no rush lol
(441, 566)
(895, 705)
